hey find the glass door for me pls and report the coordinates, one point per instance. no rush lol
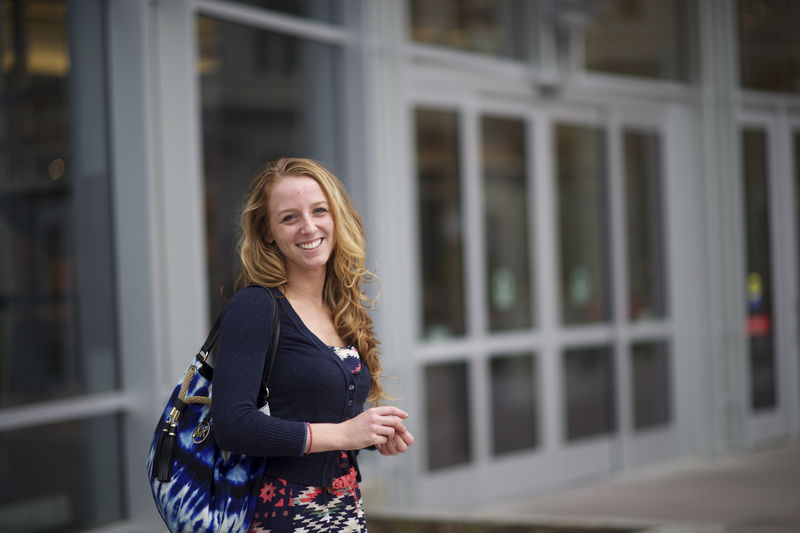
(769, 155)
(479, 333)
(544, 333)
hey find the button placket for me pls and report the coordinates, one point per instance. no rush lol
(351, 387)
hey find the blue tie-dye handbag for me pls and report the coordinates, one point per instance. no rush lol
(197, 487)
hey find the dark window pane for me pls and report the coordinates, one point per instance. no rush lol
(514, 407)
(645, 38)
(66, 477)
(651, 384)
(506, 223)
(769, 45)
(318, 10)
(264, 96)
(440, 223)
(495, 27)
(763, 378)
(447, 415)
(589, 390)
(583, 230)
(643, 207)
(56, 289)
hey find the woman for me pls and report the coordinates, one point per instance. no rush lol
(302, 238)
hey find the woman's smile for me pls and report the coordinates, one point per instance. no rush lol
(310, 245)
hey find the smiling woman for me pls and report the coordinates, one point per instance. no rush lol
(303, 240)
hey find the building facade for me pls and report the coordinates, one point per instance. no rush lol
(583, 214)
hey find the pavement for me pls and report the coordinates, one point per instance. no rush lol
(747, 492)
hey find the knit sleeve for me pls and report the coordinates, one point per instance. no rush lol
(238, 425)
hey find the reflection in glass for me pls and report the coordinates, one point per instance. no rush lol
(318, 10)
(589, 390)
(645, 38)
(769, 45)
(651, 384)
(763, 379)
(56, 289)
(643, 209)
(495, 27)
(264, 96)
(514, 419)
(583, 229)
(66, 477)
(447, 415)
(506, 223)
(440, 223)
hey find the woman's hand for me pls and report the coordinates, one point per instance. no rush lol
(397, 445)
(381, 427)
(374, 427)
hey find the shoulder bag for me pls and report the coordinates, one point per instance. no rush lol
(197, 487)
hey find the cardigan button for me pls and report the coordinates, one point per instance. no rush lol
(351, 387)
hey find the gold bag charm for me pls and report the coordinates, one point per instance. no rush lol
(201, 432)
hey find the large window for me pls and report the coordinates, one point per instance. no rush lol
(506, 221)
(769, 45)
(494, 27)
(447, 415)
(515, 403)
(440, 223)
(57, 320)
(647, 291)
(643, 38)
(589, 392)
(265, 95)
(61, 477)
(583, 224)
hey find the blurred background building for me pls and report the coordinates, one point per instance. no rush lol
(583, 213)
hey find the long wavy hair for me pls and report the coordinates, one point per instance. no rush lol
(263, 264)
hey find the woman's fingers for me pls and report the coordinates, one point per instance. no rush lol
(407, 437)
(382, 427)
(389, 410)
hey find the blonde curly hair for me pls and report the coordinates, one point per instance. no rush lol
(263, 264)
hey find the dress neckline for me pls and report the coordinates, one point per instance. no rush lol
(305, 330)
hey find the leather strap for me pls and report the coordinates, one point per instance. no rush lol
(207, 371)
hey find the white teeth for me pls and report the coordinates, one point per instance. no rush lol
(310, 245)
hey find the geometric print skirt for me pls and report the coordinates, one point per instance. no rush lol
(284, 506)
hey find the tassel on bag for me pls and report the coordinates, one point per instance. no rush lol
(162, 459)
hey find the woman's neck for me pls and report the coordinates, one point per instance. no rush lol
(306, 285)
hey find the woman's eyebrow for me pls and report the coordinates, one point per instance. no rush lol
(292, 209)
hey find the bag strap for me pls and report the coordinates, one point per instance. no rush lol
(213, 335)
(263, 396)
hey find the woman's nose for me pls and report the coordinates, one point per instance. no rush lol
(307, 224)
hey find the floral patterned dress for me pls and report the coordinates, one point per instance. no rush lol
(284, 506)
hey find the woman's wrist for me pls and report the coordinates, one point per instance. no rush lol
(309, 438)
(325, 437)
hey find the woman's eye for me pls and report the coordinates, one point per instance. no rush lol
(320, 210)
(287, 218)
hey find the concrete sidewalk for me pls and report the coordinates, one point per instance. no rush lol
(748, 492)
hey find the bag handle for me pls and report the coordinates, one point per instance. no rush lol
(213, 335)
(273, 349)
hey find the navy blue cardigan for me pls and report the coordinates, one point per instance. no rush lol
(309, 383)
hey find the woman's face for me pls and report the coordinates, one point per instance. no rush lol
(300, 223)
